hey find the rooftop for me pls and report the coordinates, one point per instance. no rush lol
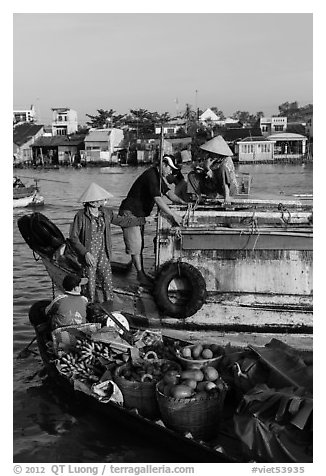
(255, 139)
(55, 141)
(24, 132)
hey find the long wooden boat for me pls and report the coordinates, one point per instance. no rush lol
(282, 368)
(192, 450)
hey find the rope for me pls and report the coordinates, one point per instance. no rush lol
(253, 222)
(178, 266)
(186, 217)
(53, 292)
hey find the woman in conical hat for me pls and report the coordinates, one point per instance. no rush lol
(90, 237)
(94, 193)
(219, 178)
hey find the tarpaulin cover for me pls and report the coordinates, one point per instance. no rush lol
(276, 425)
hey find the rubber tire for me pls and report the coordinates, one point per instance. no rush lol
(166, 274)
(46, 232)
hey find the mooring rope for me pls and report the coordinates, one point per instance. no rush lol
(254, 229)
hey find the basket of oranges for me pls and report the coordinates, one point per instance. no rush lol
(198, 356)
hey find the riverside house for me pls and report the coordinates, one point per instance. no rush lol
(58, 150)
(24, 136)
(103, 145)
(256, 149)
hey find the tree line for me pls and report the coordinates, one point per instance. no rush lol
(143, 121)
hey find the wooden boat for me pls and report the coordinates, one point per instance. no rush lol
(26, 196)
(255, 257)
(191, 449)
(241, 273)
(286, 369)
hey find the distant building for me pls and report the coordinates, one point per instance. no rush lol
(255, 149)
(24, 136)
(171, 127)
(233, 136)
(64, 121)
(288, 145)
(103, 144)
(228, 122)
(57, 150)
(309, 127)
(209, 115)
(272, 125)
(24, 115)
(47, 131)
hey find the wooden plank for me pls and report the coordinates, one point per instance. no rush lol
(303, 342)
(246, 240)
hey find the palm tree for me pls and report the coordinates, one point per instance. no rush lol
(102, 119)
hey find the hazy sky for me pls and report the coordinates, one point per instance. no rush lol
(86, 61)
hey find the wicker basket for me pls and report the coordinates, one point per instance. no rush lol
(198, 363)
(139, 395)
(197, 415)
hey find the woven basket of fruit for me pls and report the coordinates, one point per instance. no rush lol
(192, 402)
(137, 383)
(199, 355)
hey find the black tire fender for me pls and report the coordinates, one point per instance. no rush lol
(165, 275)
(46, 232)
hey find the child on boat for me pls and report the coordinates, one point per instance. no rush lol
(68, 308)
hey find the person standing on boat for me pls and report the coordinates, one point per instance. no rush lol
(90, 237)
(147, 191)
(69, 308)
(217, 176)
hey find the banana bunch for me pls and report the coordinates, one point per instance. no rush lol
(72, 367)
(89, 351)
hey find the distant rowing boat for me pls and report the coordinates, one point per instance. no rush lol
(25, 196)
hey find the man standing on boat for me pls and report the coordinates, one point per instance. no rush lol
(147, 191)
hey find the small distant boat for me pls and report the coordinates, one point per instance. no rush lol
(109, 170)
(25, 196)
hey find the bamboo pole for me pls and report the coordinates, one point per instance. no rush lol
(159, 218)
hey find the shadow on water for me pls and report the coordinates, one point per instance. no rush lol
(53, 428)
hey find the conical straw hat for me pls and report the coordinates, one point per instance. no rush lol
(217, 145)
(93, 193)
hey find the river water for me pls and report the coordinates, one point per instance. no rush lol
(46, 427)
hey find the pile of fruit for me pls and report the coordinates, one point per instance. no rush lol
(88, 360)
(201, 352)
(192, 383)
(147, 371)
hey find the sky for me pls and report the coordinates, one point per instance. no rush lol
(161, 61)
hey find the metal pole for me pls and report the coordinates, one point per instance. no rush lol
(159, 219)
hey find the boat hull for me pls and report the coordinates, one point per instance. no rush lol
(192, 450)
(29, 201)
(238, 320)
